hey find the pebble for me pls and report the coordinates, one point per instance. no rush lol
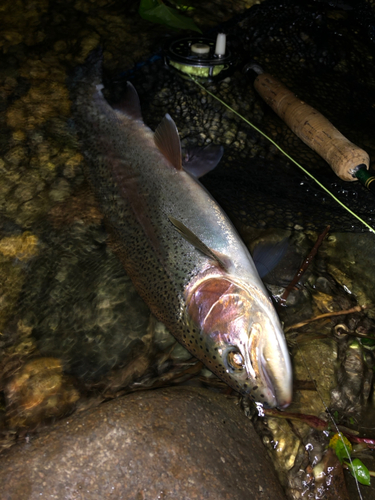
(176, 443)
(23, 247)
(37, 391)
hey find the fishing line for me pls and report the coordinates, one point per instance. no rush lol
(371, 229)
(332, 420)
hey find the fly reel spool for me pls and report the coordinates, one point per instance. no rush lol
(200, 56)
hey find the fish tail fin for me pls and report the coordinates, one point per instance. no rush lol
(88, 74)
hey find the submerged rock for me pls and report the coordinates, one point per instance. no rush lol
(37, 391)
(177, 443)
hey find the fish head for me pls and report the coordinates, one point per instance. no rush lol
(239, 337)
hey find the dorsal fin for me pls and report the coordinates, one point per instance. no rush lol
(168, 141)
(197, 243)
(129, 103)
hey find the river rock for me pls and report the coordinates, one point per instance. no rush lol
(176, 443)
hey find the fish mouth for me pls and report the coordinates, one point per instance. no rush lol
(266, 376)
(282, 401)
(270, 359)
(267, 362)
(276, 370)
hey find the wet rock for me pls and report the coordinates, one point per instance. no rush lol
(349, 396)
(180, 443)
(284, 443)
(316, 360)
(329, 478)
(350, 260)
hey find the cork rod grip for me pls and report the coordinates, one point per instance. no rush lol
(312, 128)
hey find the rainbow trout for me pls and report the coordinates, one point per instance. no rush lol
(181, 251)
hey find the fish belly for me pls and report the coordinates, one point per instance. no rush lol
(138, 190)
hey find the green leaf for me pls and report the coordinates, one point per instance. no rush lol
(336, 416)
(360, 471)
(147, 4)
(157, 12)
(342, 452)
(369, 343)
(182, 5)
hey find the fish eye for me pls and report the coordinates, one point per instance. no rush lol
(233, 360)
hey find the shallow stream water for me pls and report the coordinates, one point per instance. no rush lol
(74, 332)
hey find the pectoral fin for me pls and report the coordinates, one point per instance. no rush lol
(266, 256)
(198, 244)
(200, 161)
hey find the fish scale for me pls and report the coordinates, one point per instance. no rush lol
(177, 245)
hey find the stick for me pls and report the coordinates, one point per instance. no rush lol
(304, 266)
(325, 315)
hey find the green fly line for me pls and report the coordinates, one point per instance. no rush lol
(337, 201)
(286, 154)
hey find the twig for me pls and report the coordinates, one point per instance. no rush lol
(321, 316)
(311, 420)
(355, 439)
(318, 424)
(304, 266)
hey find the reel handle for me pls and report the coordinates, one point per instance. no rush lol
(344, 157)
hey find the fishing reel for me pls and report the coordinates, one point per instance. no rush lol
(200, 56)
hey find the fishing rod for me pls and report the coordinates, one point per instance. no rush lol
(348, 161)
(195, 80)
(202, 57)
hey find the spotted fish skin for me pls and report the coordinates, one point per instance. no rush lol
(217, 308)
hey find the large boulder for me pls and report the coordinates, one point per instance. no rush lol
(176, 443)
